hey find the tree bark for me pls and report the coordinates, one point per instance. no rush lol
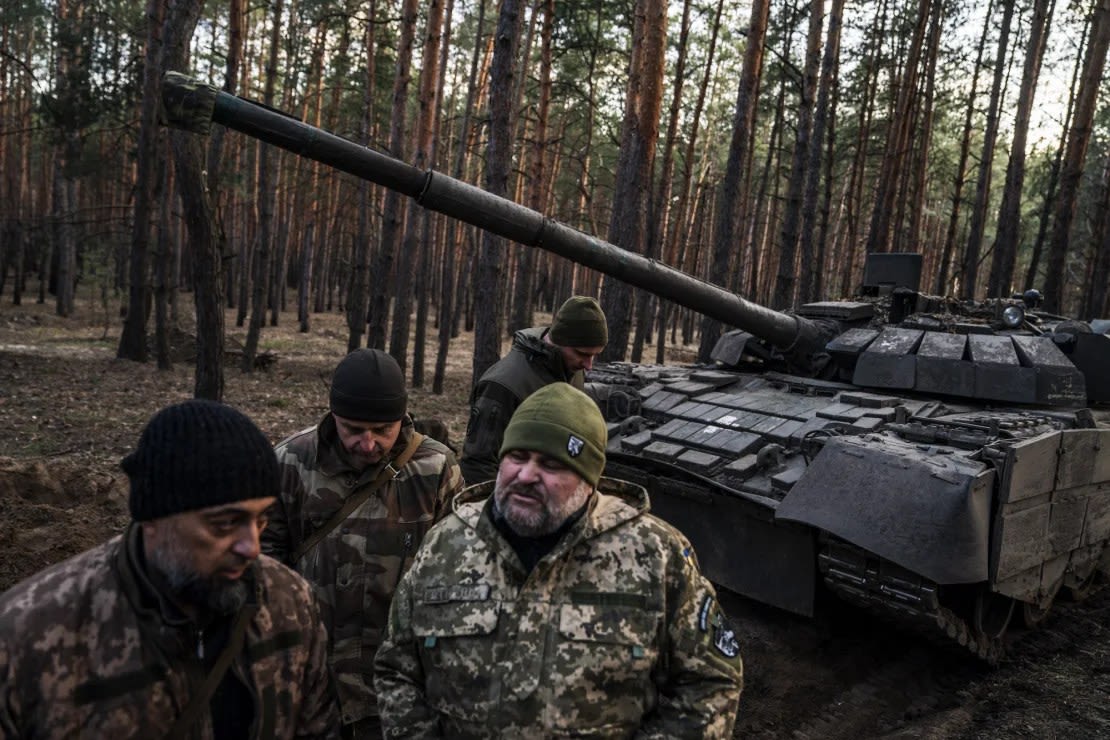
(632, 190)
(1079, 137)
(488, 317)
(730, 203)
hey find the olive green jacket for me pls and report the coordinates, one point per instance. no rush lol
(530, 365)
(88, 648)
(614, 633)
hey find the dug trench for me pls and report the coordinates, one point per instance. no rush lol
(69, 411)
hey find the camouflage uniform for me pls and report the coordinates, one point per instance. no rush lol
(356, 567)
(614, 633)
(530, 365)
(89, 648)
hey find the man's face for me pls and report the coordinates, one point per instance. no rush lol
(203, 554)
(537, 494)
(367, 442)
(580, 358)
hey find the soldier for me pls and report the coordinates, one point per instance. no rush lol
(358, 493)
(539, 356)
(177, 628)
(550, 603)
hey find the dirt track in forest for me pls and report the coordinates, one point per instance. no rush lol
(69, 411)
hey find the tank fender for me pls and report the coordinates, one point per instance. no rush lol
(921, 507)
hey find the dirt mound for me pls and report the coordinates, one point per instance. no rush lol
(52, 510)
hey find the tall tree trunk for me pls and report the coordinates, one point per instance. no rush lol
(986, 160)
(416, 231)
(132, 341)
(393, 209)
(448, 311)
(733, 193)
(940, 286)
(1009, 213)
(265, 191)
(488, 315)
(204, 231)
(659, 211)
(1079, 136)
(358, 299)
(898, 137)
(633, 187)
(786, 281)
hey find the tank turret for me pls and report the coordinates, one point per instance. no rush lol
(934, 461)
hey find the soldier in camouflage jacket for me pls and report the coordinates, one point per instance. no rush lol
(602, 627)
(538, 356)
(105, 645)
(355, 568)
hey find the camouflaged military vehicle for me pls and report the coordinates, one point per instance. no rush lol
(930, 460)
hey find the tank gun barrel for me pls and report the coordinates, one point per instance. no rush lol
(194, 106)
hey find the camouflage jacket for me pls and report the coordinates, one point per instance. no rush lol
(614, 633)
(356, 567)
(530, 365)
(89, 648)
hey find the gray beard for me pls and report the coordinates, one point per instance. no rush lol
(218, 596)
(545, 521)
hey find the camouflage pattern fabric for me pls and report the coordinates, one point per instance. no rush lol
(530, 365)
(355, 569)
(89, 649)
(615, 632)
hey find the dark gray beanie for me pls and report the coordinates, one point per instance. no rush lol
(579, 322)
(368, 385)
(197, 454)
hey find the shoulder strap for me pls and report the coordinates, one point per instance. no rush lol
(391, 470)
(199, 701)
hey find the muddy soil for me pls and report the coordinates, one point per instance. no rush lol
(69, 411)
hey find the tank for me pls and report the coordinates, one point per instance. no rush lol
(934, 461)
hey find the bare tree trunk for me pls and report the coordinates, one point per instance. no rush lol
(204, 231)
(265, 207)
(986, 160)
(1079, 136)
(448, 310)
(786, 281)
(358, 300)
(1009, 213)
(632, 191)
(733, 193)
(898, 137)
(416, 232)
(132, 342)
(488, 316)
(393, 210)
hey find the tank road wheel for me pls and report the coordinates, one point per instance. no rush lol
(992, 614)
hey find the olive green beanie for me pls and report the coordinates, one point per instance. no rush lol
(580, 322)
(563, 423)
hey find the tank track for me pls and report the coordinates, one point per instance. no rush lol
(885, 589)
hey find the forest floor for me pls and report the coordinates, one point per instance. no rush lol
(69, 410)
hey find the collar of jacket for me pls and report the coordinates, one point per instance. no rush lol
(613, 503)
(332, 460)
(530, 342)
(155, 609)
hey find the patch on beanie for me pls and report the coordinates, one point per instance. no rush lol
(575, 446)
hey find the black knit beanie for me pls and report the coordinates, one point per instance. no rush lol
(197, 454)
(368, 385)
(579, 322)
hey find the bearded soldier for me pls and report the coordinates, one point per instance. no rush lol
(177, 628)
(551, 603)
